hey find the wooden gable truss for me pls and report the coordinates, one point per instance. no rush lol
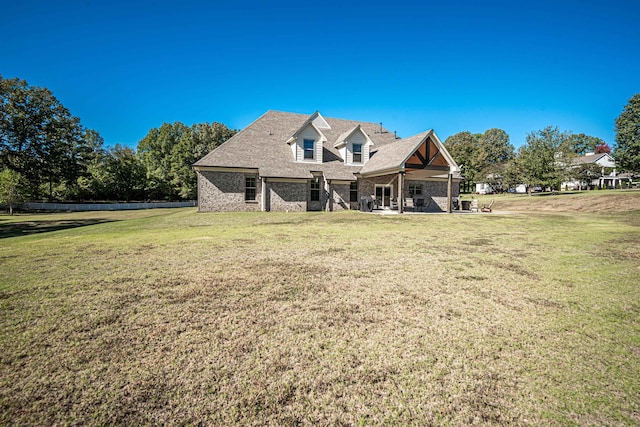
(427, 156)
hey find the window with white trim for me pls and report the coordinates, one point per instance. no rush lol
(249, 188)
(353, 191)
(309, 149)
(415, 189)
(357, 153)
(315, 190)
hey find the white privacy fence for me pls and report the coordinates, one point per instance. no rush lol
(35, 206)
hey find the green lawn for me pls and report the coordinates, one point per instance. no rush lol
(175, 317)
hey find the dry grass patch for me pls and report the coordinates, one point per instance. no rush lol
(330, 319)
(594, 201)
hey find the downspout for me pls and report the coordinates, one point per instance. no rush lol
(263, 196)
(198, 178)
(449, 191)
(400, 191)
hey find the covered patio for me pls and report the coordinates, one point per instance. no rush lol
(418, 175)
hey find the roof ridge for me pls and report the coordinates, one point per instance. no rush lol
(361, 122)
(286, 112)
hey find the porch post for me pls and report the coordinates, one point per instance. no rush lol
(400, 191)
(449, 191)
(263, 196)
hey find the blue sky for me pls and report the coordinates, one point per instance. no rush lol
(125, 67)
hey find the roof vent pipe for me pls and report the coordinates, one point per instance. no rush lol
(380, 127)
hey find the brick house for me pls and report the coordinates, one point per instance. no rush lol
(296, 162)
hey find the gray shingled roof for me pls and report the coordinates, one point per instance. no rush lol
(590, 158)
(262, 145)
(344, 136)
(393, 156)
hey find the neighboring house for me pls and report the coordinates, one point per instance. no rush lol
(520, 189)
(295, 162)
(484, 188)
(493, 184)
(604, 162)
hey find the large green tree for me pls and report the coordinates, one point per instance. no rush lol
(169, 152)
(12, 189)
(92, 185)
(497, 146)
(543, 161)
(514, 172)
(154, 151)
(581, 144)
(464, 147)
(114, 173)
(39, 138)
(498, 152)
(627, 127)
(122, 175)
(481, 155)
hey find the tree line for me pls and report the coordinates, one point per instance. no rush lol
(545, 160)
(46, 153)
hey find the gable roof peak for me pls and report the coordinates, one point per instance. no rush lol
(342, 139)
(393, 157)
(319, 121)
(306, 124)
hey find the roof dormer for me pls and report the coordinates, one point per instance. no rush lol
(306, 143)
(354, 146)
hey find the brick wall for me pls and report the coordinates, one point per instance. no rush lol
(287, 196)
(224, 192)
(434, 193)
(339, 197)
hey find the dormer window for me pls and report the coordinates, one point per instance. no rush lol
(357, 153)
(354, 146)
(309, 149)
(308, 141)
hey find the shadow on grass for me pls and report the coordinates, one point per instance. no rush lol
(16, 229)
